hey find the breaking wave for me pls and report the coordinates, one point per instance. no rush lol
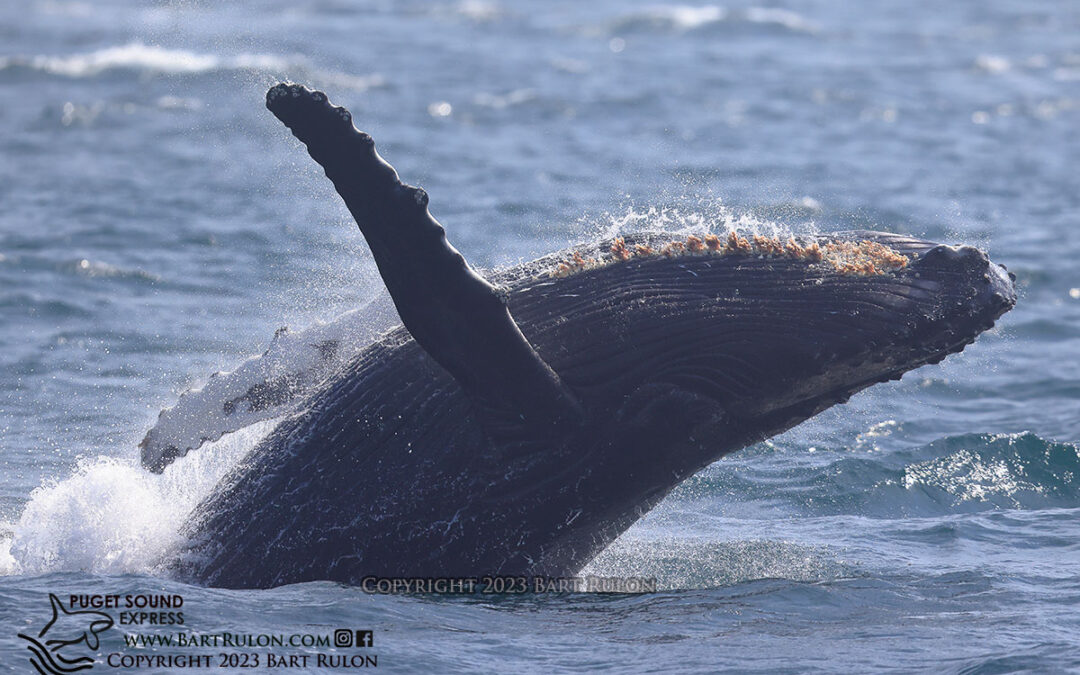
(684, 18)
(957, 474)
(152, 59)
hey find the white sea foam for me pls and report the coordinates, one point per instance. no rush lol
(678, 18)
(685, 17)
(993, 64)
(478, 10)
(682, 18)
(970, 476)
(138, 56)
(784, 18)
(143, 58)
(113, 517)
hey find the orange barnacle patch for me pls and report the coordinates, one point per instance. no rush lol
(883, 256)
(736, 244)
(577, 263)
(673, 249)
(864, 258)
(619, 250)
(562, 270)
(768, 245)
(793, 249)
(581, 263)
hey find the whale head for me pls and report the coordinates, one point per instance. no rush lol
(687, 350)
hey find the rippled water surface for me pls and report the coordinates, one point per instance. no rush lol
(159, 225)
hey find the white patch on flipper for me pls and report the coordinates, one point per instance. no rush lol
(220, 407)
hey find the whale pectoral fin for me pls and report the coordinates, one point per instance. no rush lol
(459, 318)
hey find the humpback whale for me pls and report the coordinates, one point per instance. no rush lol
(517, 424)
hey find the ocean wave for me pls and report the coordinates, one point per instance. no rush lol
(97, 269)
(782, 18)
(142, 58)
(685, 18)
(42, 306)
(499, 101)
(674, 17)
(138, 56)
(993, 64)
(1007, 470)
(479, 11)
(957, 474)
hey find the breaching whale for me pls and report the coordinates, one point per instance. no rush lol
(517, 425)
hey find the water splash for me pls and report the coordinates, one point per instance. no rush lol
(707, 216)
(678, 563)
(113, 517)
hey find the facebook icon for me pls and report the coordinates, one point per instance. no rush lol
(365, 638)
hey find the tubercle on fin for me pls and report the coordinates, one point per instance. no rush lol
(850, 258)
(347, 154)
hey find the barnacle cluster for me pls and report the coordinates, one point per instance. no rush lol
(863, 258)
(855, 258)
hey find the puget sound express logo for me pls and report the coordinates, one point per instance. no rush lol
(153, 634)
(61, 645)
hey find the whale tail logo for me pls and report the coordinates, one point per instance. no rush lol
(64, 631)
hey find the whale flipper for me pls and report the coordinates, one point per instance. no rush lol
(458, 318)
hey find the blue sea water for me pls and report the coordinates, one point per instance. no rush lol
(157, 225)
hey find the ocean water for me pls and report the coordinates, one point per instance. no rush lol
(157, 225)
